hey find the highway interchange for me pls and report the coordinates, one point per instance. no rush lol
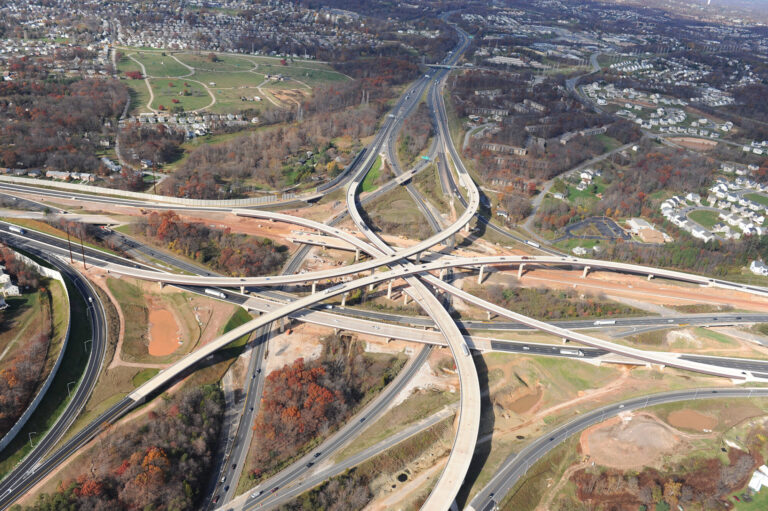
(417, 267)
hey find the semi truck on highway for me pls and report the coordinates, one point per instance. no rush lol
(572, 352)
(215, 292)
(533, 244)
(601, 322)
(17, 230)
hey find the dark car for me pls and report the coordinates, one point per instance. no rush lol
(275, 489)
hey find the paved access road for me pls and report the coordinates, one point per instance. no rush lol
(515, 467)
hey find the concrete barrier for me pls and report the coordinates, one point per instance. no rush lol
(149, 197)
(22, 421)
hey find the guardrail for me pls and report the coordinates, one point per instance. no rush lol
(22, 421)
(150, 197)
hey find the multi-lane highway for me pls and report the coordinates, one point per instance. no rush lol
(17, 482)
(385, 265)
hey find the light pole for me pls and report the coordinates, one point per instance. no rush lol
(69, 389)
(30, 437)
(85, 344)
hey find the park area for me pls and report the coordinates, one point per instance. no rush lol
(217, 82)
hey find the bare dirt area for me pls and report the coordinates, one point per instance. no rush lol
(651, 236)
(303, 341)
(244, 225)
(290, 96)
(654, 291)
(164, 336)
(697, 144)
(630, 441)
(437, 373)
(691, 419)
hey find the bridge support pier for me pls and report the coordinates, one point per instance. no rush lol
(585, 272)
(442, 274)
(480, 275)
(343, 299)
(242, 290)
(650, 276)
(520, 270)
(418, 258)
(314, 286)
(489, 315)
(389, 290)
(357, 254)
(162, 284)
(405, 298)
(282, 324)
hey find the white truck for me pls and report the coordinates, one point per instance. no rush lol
(215, 292)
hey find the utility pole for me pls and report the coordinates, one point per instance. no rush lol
(82, 250)
(69, 244)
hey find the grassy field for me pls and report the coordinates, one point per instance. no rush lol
(396, 213)
(705, 218)
(130, 300)
(757, 197)
(167, 90)
(368, 184)
(227, 78)
(528, 492)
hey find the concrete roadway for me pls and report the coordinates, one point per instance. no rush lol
(468, 423)
(516, 466)
(19, 480)
(370, 322)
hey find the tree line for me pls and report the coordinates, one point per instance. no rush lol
(234, 254)
(308, 398)
(162, 463)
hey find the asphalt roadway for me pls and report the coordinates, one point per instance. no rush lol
(262, 495)
(30, 470)
(515, 467)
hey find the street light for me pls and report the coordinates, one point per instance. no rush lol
(69, 389)
(85, 344)
(30, 437)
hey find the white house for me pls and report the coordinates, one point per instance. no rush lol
(758, 268)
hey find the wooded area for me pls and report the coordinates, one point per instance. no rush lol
(162, 463)
(309, 398)
(237, 255)
(57, 124)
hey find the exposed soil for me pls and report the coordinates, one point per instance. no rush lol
(163, 333)
(629, 441)
(521, 402)
(697, 144)
(691, 419)
(651, 236)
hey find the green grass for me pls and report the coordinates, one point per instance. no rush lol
(759, 198)
(715, 336)
(56, 399)
(705, 218)
(418, 406)
(159, 65)
(368, 184)
(588, 193)
(759, 502)
(165, 94)
(238, 318)
(609, 143)
(144, 376)
(130, 300)
(528, 492)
